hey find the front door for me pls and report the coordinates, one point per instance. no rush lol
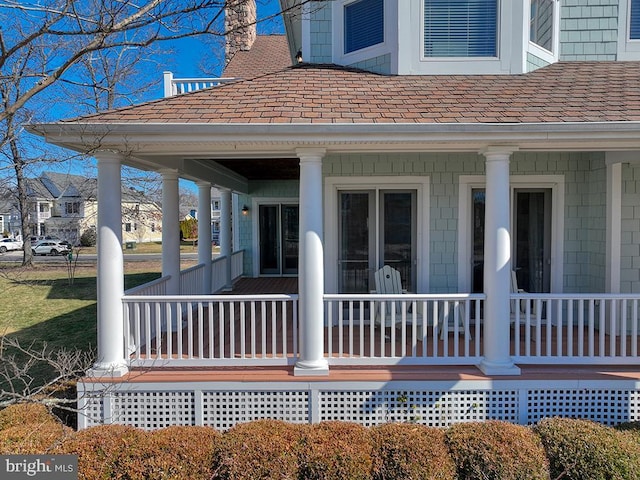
(278, 233)
(377, 228)
(530, 237)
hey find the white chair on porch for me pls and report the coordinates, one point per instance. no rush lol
(522, 304)
(388, 282)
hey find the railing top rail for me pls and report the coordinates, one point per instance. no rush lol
(203, 80)
(405, 296)
(209, 298)
(152, 283)
(576, 296)
(192, 269)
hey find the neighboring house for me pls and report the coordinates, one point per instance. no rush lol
(489, 151)
(64, 206)
(9, 221)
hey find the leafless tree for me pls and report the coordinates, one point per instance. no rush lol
(90, 48)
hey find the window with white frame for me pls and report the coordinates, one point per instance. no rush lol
(629, 30)
(634, 20)
(460, 28)
(363, 24)
(541, 23)
(71, 208)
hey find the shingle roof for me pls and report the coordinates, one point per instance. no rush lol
(268, 54)
(562, 92)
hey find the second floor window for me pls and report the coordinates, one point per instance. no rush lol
(363, 24)
(71, 207)
(634, 22)
(460, 28)
(541, 23)
(43, 207)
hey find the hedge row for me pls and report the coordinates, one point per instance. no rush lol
(268, 449)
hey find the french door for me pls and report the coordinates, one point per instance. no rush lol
(278, 233)
(376, 228)
(530, 237)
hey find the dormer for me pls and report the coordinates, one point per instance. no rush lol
(427, 37)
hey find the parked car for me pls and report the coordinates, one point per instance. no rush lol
(8, 244)
(35, 239)
(50, 247)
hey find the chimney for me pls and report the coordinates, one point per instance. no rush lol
(240, 26)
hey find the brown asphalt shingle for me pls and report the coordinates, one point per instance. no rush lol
(268, 54)
(562, 92)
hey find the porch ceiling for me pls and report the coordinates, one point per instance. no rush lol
(264, 169)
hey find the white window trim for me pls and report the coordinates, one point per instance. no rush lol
(538, 51)
(468, 182)
(627, 49)
(384, 48)
(332, 185)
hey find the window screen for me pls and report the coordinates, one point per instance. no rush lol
(363, 24)
(634, 24)
(460, 28)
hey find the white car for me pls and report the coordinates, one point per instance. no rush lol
(8, 244)
(50, 247)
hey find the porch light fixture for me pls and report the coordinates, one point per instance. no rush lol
(245, 210)
(299, 56)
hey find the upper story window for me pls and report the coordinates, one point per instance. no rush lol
(460, 28)
(71, 207)
(541, 23)
(363, 24)
(634, 20)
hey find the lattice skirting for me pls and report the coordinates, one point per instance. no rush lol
(222, 405)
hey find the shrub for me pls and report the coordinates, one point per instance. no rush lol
(180, 452)
(496, 450)
(409, 451)
(109, 451)
(25, 413)
(89, 238)
(629, 427)
(336, 450)
(262, 449)
(581, 449)
(33, 438)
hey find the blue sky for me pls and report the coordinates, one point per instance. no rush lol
(185, 60)
(191, 51)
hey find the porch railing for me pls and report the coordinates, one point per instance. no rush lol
(408, 329)
(219, 268)
(211, 330)
(576, 328)
(191, 280)
(154, 287)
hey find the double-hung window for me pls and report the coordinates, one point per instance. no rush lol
(634, 20)
(460, 28)
(363, 24)
(541, 23)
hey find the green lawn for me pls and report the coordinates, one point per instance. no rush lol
(40, 306)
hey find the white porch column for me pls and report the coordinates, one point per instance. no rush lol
(110, 265)
(497, 265)
(311, 266)
(225, 236)
(204, 233)
(171, 230)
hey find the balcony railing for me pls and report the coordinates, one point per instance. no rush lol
(177, 86)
